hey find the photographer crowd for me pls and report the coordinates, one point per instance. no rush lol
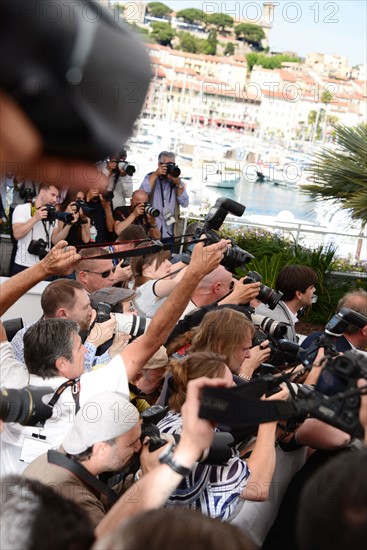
(159, 401)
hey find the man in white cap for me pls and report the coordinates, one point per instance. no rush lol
(104, 437)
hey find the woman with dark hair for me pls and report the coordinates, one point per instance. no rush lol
(219, 491)
(153, 281)
(76, 233)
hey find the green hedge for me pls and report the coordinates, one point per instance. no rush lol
(273, 251)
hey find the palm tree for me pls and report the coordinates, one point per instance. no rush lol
(340, 175)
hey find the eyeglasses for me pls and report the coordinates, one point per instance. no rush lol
(230, 285)
(104, 274)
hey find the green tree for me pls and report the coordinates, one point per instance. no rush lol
(340, 175)
(221, 21)
(269, 61)
(326, 97)
(162, 33)
(191, 15)
(158, 9)
(253, 34)
(229, 49)
(188, 42)
(211, 43)
(252, 60)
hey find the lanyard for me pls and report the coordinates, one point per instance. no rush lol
(161, 188)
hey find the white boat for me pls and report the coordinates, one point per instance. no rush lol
(225, 181)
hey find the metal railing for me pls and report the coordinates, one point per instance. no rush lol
(348, 243)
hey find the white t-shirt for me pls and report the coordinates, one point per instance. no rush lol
(110, 377)
(146, 302)
(22, 214)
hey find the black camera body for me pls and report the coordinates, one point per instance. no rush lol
(80, 204)
(234, 257)
(38, 248)
(173, 170)
(284, 353)
(150, 418)
(53, 215)
(335, 400)
(266, 295)
(27, 194)
(150, 210)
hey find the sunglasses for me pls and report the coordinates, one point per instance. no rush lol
(104, 274)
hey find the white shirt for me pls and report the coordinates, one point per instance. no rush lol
(110, 377)
(13, 373)
(22, 214)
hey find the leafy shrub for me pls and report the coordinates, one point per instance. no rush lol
(273, 251)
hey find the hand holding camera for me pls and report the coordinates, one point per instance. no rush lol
(169, 169)
(41, 213)
(139, 210)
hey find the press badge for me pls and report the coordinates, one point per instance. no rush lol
(32, 448)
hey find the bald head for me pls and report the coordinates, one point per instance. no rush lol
(357, 301)
(138, 197)
(212, 287)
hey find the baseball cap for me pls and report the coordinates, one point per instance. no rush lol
(111, 296)
(103, 417)
(159, 359)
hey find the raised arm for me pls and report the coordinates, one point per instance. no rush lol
(203, 261)
(262, 460)
(61, 260)
(155, 487)
(164, 287)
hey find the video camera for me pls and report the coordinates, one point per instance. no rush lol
(234, 257)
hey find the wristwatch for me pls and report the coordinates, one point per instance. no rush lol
(166, 457)
(179, 186)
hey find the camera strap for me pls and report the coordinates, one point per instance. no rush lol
(75, 392)
(95, 485)
(47, 233)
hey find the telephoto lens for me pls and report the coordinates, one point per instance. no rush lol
(150, 210)
(133, 325)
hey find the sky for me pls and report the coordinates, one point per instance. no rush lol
(305, 26)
